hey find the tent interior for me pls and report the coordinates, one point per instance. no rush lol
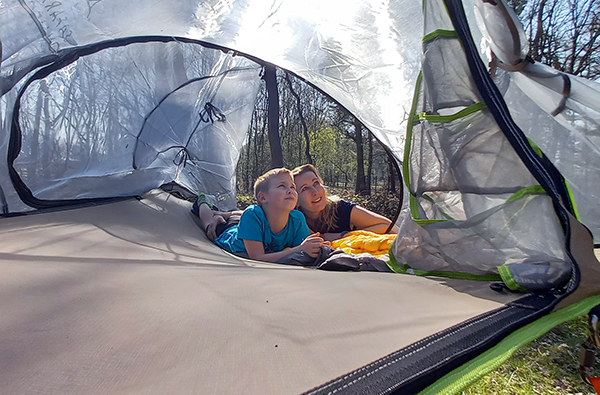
(108, 284)
(121, 299)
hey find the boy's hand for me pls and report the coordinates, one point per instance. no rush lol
(211, 228)
(312, 244)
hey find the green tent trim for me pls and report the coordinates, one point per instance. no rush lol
(406, 269)
(440, 33)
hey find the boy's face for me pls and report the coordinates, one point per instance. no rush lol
(281, 194)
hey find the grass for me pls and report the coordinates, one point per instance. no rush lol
(548, 365)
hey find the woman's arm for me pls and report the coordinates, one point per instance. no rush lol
(210, 219)
(227, 214)
(363, 219)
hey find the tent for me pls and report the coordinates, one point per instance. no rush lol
(109, 286)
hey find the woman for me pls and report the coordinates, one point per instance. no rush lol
(332, 218)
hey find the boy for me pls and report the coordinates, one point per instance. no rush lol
(265, 231)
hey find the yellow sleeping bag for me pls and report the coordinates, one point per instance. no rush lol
(361, 241)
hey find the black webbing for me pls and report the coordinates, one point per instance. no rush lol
(411, 369)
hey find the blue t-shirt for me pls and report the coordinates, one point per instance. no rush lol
(254, 226)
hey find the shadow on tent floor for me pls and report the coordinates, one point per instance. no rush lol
(131, 297)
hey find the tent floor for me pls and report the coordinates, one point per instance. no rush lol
(131, 297)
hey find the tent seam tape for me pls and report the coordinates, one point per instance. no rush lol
(453, 117)
(439, 33)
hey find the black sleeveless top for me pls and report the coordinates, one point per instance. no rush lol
(344, 208)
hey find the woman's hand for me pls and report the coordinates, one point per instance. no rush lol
(211, 228)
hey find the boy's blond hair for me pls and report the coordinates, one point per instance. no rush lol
(263, 182)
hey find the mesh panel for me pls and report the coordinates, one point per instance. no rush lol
(474, 205)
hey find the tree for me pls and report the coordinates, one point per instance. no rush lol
(270, 78)
(309, 158)
(361, 181)
(564, 34)
(314, 129)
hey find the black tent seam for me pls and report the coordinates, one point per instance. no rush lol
(4, 202)
(14, 148)
(75, 205)
(541, 168)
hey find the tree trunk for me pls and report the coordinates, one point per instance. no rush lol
(35, 145)
(536, 46)
(273, 116)
(47, 143)
(361, 187)
(370, 163)
(179, 75)
(309, 158)
(391, 176)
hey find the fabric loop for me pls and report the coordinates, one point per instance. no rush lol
(182, 157)
(565, 93)
(519, 66)
(210, 113)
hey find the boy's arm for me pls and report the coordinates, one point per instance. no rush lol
(311, 245)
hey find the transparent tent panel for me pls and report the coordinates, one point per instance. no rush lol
(86, 125)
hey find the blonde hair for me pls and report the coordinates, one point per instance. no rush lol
(263, 182)
(328, 216)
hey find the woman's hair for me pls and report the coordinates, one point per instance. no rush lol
(328, 217)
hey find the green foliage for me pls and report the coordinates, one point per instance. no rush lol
(324, 147)
(334, 156)
(244, 201)
(329, 130)
(548, 365)
(381, 201)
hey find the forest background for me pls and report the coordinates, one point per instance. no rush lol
(311, 128)
(294, 124)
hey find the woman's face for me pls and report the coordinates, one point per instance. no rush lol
(311, 194)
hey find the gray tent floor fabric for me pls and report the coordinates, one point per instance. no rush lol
(131, 297)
